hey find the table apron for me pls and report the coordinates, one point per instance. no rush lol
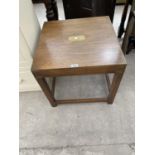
(79, 71)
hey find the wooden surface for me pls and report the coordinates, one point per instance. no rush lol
(100, 49)
(77, 47)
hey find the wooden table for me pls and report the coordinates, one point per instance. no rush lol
(78, 47)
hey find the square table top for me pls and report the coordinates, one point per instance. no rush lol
(77, 43)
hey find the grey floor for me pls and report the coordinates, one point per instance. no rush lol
(79, 129)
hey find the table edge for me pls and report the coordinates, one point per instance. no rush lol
(79, 70)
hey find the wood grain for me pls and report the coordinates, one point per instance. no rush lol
(99, 49)
(78, 47)
(81, 100)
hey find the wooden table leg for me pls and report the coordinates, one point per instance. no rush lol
(114, 86)
(45, 88)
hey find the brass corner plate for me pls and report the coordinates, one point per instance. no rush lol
(76, 38)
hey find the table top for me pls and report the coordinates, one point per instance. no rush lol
(77, 43)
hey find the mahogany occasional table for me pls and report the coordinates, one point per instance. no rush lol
(78, 47)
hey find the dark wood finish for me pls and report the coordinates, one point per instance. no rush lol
(51, 9)
(97, 52)
(129, 36)
(89, 8)
(121, 29)
(37, 1)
